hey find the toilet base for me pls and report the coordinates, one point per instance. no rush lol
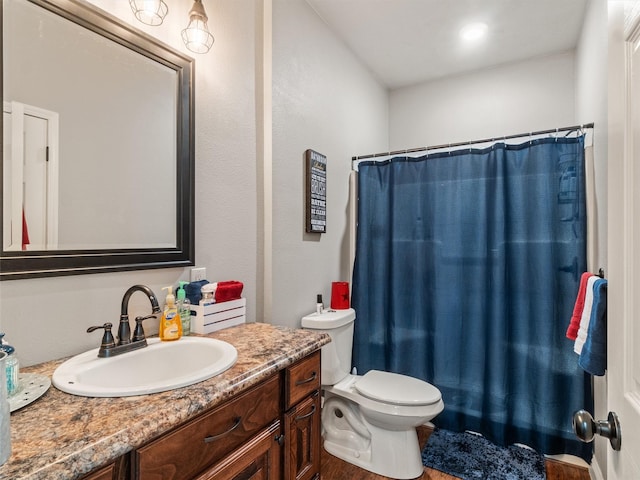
(391, 453)
(405, 463)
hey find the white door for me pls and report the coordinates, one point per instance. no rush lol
(623, 214)
(30, 177)
(34, 184)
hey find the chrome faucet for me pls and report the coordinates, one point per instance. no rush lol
(126, 343)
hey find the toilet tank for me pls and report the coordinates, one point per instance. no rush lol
(336, 355)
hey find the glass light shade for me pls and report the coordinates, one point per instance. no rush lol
(196, 36)
(149, 12)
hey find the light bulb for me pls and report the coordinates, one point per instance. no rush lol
(474, 31)
(149, 12)
(196, 36)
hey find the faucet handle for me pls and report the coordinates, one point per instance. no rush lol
(107, 339)
(138, 332)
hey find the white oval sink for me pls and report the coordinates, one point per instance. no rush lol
(156, 368)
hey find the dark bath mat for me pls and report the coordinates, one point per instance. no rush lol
(473, 457)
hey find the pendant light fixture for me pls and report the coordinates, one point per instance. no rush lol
(149, 12)
(196, 36)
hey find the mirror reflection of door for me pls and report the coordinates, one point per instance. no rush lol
(30, 178)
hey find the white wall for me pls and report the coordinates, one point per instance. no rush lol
(47, 318)
(520, 97)
(591, 106)
(323, 99)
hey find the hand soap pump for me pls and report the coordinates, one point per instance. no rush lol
(170, 325)
(184, 309)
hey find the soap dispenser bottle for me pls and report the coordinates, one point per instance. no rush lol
(184, 309)
(170, 325)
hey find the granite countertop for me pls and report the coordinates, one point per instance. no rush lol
(62, 436)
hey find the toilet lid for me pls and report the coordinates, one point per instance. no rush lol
(397, 389)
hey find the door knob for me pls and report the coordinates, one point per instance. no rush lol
(585, 427)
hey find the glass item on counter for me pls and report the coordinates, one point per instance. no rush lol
(12, 366)
(5, 418)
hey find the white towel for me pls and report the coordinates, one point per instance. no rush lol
(586, 316)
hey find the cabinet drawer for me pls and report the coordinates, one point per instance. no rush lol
(188, 450)
(302, 378)
(105, 473)
(258, 459)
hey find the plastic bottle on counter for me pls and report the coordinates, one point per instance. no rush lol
(184, 309)
(170, 324)
(208, 294)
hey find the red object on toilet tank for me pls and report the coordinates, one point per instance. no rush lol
(229, 290)
(339, 295)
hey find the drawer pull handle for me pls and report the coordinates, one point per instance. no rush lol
(213, 438)
(312, 378)
(307, 415)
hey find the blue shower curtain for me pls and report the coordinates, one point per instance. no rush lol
(467, 267)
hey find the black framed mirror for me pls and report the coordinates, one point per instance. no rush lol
(98, 144)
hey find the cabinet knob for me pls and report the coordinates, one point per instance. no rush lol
(279, 439)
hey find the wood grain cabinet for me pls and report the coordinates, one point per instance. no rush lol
(195, 447)
(258, 459)
(118, 470)
(302, 419)
(105, 473)
(269, 432)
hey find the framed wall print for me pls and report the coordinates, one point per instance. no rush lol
(316, 191)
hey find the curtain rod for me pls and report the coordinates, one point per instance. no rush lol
(466, 144)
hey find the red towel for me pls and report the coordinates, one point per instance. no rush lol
(574, 325)
(230, 290)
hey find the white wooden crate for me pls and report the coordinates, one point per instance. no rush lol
(216, 316)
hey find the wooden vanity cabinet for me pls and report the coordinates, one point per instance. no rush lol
(118, 470)
(195, 447)
(258, 459)
(302, 419)
(105, 473)
(269, 432)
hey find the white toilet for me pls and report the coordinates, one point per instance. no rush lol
(370, 420)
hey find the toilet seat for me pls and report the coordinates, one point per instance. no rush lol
(397, 389)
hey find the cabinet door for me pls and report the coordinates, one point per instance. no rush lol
(258, 459)
(302, 440)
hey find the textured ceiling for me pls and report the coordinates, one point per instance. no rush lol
(404, 42)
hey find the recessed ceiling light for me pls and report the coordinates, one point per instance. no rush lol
(473, 31)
